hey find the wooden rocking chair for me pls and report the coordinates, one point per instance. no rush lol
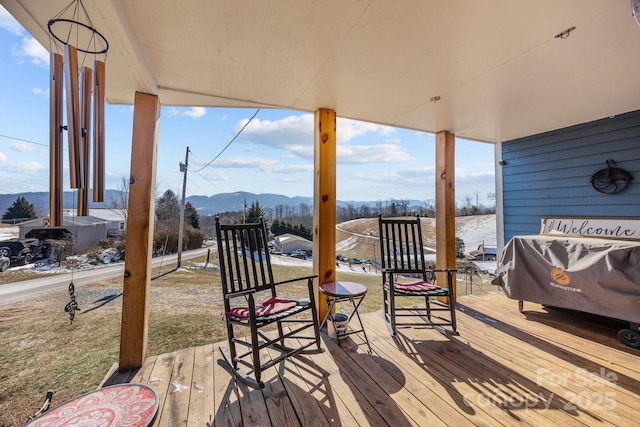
(245, 271)
(405, 274)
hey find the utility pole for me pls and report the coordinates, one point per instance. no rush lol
(183, 168)
(244, 211)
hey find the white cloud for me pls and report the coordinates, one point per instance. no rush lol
(40, 91)
(9, 23)
(3, 157)
(246, 162)
(474, 171)
(214, 175)
(366, 154)
(23, 147)
(22, 166)
(260, 164)
(347, 129)
(293, 169)
(193, 112)
(33, 50)
(295, 135)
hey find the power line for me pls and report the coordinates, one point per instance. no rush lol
(230, 142)
(24, 140)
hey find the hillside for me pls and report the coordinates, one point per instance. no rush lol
(359, 238)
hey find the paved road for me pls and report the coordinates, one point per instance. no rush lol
(20, 291)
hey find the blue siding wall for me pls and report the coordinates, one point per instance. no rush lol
(549, 174)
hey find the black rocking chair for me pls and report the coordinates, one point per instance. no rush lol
(405, 274)
(245, 271)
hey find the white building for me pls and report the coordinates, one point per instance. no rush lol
(116, 219)
(287, 243)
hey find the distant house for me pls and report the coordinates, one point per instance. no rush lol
(484, 253)
(288, 243)
(87, 231)
(116, 219)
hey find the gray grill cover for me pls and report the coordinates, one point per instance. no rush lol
(590, 275)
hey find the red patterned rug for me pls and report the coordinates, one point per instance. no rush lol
(117, 405)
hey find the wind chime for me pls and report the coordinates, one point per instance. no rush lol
(71, 32)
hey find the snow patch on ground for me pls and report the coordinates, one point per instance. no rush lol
(341, 266)
(477, 230)
(347, 244)
(290, 261)
(9, 232)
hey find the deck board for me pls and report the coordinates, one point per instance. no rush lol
(539, 367)
(227, 403)
(202, 405)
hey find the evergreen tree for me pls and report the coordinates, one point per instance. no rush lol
(167, 206)
(20, 209)
(254, 213)
(191, 216)
(459, 248)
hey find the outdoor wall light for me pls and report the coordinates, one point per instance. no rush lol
(611, 180)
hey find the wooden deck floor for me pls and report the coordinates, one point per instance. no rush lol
(539, 367)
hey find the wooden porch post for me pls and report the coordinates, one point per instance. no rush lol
(445, 205)
(324, 202)
(140, 220)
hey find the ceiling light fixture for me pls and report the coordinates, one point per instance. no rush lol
(565, 34)
(635, 10)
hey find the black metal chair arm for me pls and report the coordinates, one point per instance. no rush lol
(297, 279)
(240, 293)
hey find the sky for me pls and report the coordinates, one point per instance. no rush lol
(273, 154)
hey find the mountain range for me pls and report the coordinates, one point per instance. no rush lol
(205, 205)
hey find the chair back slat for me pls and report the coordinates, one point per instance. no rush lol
(401, 245)
(244, 258)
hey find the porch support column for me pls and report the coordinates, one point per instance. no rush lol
(324, 202)
(445, 206)
(140, 220)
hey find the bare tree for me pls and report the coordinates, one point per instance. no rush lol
(379, 207)
(403, 205)
(119, 199)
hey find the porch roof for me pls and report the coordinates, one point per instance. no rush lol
(498, 69)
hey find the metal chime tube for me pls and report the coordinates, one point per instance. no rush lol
(86, 83)
(55, 141)
(74, 128)
(98, 132)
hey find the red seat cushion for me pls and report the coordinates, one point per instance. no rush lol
(417, 286)
(273, 305)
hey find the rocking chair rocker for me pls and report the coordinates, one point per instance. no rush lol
(245, 271)
(405, 274)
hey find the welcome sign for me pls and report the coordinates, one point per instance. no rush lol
(606, 228)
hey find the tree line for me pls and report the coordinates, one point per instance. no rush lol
(281, 219)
